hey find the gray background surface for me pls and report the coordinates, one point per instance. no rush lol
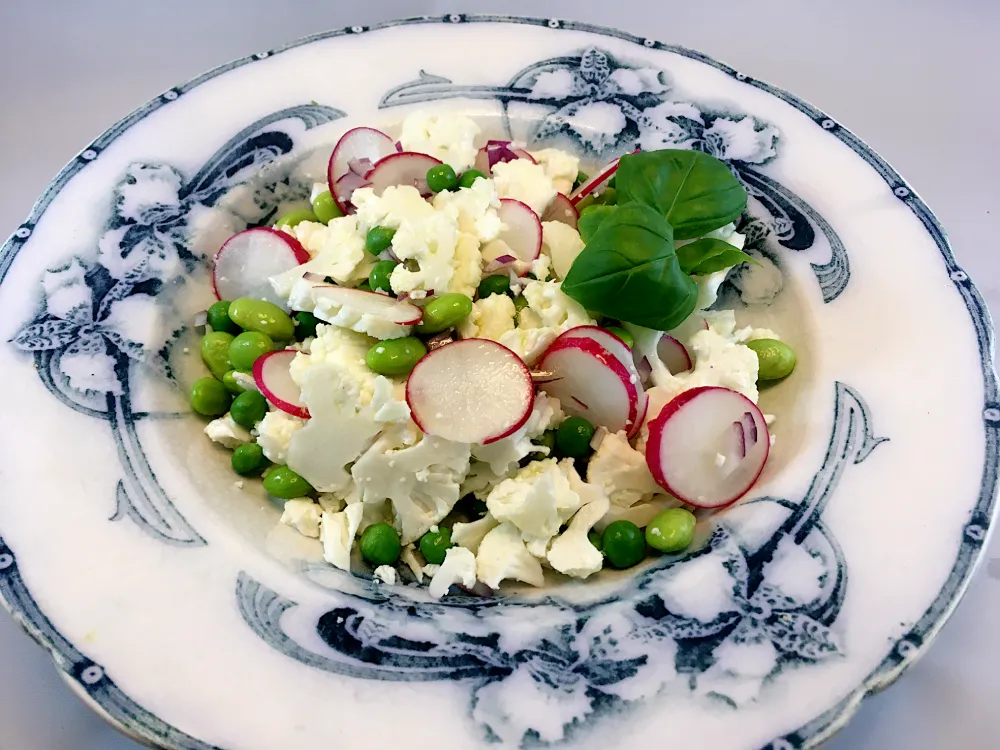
(919, 81)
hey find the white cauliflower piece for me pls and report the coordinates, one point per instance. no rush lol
(549, 313)
(537, 500)
(621, 471)
(523, 180)
(227, 433)
(459, 566)
(470, 535)
(571, 552)
(336, 250)
(337, 531)
(468, 270)
(491, 318)
(541, 267)
(303, 515)
(398, 205)
(502, 556)
(451, 138)
(275, 432)
(474, 208)
(410, 560)
(386, 574)
(481, 480)
(562, 244)
(561, 167)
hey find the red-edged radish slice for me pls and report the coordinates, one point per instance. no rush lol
(673, 354)
(371, 303)
(495, 152)
(520, 241)
(249, 258)
(354, 146)
(708, 446)
(592, 383)
(561, 209)
(470, 391)
(270, 373)
(605, 174)
(404, 168)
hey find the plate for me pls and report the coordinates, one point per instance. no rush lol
(172, 601)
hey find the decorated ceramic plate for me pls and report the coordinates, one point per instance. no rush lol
(173, 600)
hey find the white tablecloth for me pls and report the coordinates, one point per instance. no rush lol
(916, 79)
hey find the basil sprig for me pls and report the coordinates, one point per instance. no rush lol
(629, 268)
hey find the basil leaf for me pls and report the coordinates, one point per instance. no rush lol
(591, 219)
(629, 271)
(696, 192)
(709, 255)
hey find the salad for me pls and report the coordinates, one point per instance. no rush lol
(474, 363)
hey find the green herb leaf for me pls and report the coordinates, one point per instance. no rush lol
(694, 191)
(591, 219)
(709, 255)
(629, 271)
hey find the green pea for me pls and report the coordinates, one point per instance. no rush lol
(248, 409)
(585, 202)
(210, 397)
(295, 216)
(378, 279)
(622, 334)
(623, 544)
(444, 312)
(546, 440)
(380, 544)
(520, 302)
(248, 459)
(494, 285)
(305, 325)
(219, 320)
(608, 197)
(229, 380)
(396, 356)
(581, 177)
(284, 483)
(441, 178)
(247, 347)
(469, 177)
(671, 531)
(776, 360)
(215, 352)
(434, 545)
(473, 506)
(595, 539)
(379, 239)
(325, 207)
(573, 437)
(364, 286)
(263, 316)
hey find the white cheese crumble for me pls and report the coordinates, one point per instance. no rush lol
(227, 433)
(303, 515)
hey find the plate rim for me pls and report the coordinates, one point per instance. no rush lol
(146, 728)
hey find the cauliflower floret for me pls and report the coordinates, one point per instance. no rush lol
(275, 432)
(337, 532)
(336, 250)
(431, 246)
(459, 566)
(491, 318)
(621, 471)
(537, 500)
(720, 361)
(525, 181)
(448, 137)
(227, 433)
(541, 267)
(303, 515)
(474, 208)
(481, 480)
(504, 455)
(386, 574)
(502, 555)
(549, 313)
(562, 244)
(571, 552)
(561, 167)
(410, 560)
(470, 535)
(398, 205)
(468, 270)
(419, 473)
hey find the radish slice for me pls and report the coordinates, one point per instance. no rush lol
(592, 383)
(355, 145)
(561, 209)
(605, 174)
(370, 303)
(249, 258)
(673, 354)
(471, 391)
(270, 373)
(495, 152)
(708, 446)
(405, 168)
(522, 232)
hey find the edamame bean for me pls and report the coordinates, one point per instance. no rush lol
(295, 216)
(441, 178)
(305, 326)
(248, 409)
(396, 356)
(378, 279)
(325, 207)
(248, 459)
(776, 360)
(245, 348)
(546, 440)
(444, 312)
(608, 197)
(219, 320)
(573, 437)
(623, 544)
(380, 544)
(229, 380)
(284, 483)
(469, 177)
(493, 285)
(434, 545)
(263, 316)
(215, 352)
(379, 239)
(621, 333)
(671, 531)
(210, 397)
